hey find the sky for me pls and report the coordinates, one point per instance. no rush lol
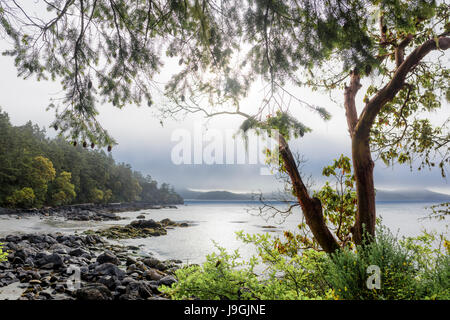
(148, 146)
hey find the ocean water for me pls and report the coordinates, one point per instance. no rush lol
(216, 222)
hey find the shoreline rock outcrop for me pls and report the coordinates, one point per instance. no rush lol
(87, 211)
(138, 229)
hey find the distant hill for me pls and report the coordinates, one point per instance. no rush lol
(223, 195)
(381, 195)
(411, 196)
(215, 195)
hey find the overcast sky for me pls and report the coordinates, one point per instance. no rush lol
(146, 145)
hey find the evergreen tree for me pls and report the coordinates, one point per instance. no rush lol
(37, 171)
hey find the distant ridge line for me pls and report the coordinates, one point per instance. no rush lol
(381, 196)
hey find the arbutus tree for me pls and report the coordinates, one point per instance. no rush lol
(399, 43)
(111, 51)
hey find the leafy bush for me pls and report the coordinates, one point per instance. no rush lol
(23, 198)
(299, 274)
(410, 268)
(3, 255)
(223, 276)
(432, 259)
(347, 270)
(220, 277)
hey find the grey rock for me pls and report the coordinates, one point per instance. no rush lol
(140, 289)
(95, 291)
(109, 269)
(78, 252)
(152, 274)
(50, 261)
(151, 262)
(130, 261)
(167, 281)
(108, 257)
(108, 281)
(145, 224)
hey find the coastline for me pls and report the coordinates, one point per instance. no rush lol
(89, 211)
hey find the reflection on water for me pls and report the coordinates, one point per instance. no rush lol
(215, 221)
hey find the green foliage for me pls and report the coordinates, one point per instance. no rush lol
(220, 277)
(30, 161)
(23, 198)
(295, 276)
(97, 195)
(108, 194)
(409, 269)
(63, 192)
(282, 122)
(402, 131)
(3, 255)
(39, 174)
(348, 271)
(339, 202)
(225, 276)
(404, 275)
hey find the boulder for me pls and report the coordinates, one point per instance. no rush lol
(167, 281)
(110, 269)
(151, 262)
(108, 257)
(49, 261)
(94, 291)
(153, 274)
(78, 252)
(168, 222)
(140, 224)
(139, 289)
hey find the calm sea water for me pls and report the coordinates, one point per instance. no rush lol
(217, 221)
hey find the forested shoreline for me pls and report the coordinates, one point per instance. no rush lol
(37, 171)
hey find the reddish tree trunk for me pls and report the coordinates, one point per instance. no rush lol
(359, 129)
(365, 188)
(311, 207)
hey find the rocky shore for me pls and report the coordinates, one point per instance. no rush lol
(86, 267)
(86, 212)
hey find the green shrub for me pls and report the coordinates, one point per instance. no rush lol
(411, 268)
(405, 273)
(224, 276)
(3, 255)
(23, 198)
(432, 260)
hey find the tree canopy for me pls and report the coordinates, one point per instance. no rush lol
(111, 51)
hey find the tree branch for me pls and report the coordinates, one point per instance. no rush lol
(349, 102)
(388, 92)
(400, 50)
(311, 207)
